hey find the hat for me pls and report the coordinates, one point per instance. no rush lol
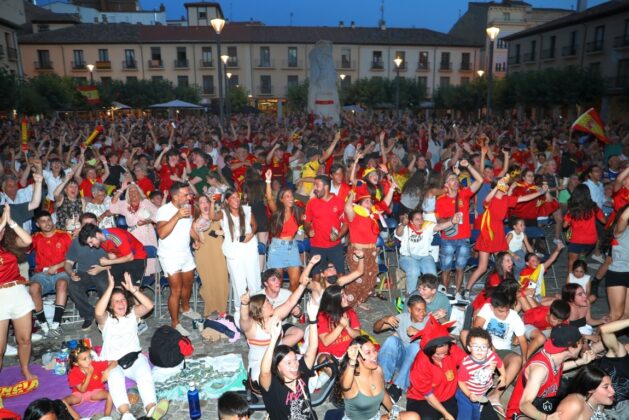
(434, 334)
(561, 338)
(361, 192)
(367, 171)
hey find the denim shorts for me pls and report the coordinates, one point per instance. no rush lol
(451, 248)
(283, 254)
(48, 281)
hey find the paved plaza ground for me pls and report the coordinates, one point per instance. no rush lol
(179, 410)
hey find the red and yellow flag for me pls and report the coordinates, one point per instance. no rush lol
(90, 93)
(590, 122)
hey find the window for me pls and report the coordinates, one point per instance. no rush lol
(182, 58)
(599, 38)
(232, 52)
(622, 76)
(156, 53)
(501, 67)
(233, 81)
(103, 54)
(465, 61)
(502, 44)
(423, 60)
(292, 81)
(573, 39)
(292, 56)
(132, 79)
(202, 14)
(402, 55)
(445, 61)
(43, 27)
(552, 46)
(533, 49)
(346, 58)
(517, 52)
(465, 80)
(265, 57)
(444, 81)
(208, 85)
(506, 16)
(206, 57)
(376, 60)
(43, 59)
(157, 78)
(182, 81)
(265, 85)
(129, 59)
(78, 59)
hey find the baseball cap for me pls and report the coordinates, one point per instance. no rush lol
(561, 338)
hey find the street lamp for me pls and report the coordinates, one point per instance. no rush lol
(90, 67)
(227, 87)
(480, 73)
(492, 33)
(218, 25)
(342, 76)
(398, 62)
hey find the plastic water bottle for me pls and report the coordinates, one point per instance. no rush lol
(193, 402)
(395, 412)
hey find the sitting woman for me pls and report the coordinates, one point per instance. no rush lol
(68, 202)
(118, 318)
(580, 314)
(616, 362)
(589, 391)
(338, 324)
(329, 276)
(99, 205)
(362, 383)
(284, 377)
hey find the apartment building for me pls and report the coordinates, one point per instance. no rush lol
(597, 38)
(12, 17)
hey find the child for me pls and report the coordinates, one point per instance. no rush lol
(232, 406)
(532, 279)
(397, 351)
(87, 378)
(579, 276)
(539, 320)
(437, 303)
(518, 246)
(476, 374)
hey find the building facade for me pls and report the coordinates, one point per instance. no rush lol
(94, 15)
(12, 17)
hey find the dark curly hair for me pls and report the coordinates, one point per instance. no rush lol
(127, 295)
(580, 204)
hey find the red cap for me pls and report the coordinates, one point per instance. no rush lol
(434, 333)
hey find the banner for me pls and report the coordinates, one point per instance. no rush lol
(90, 93)
(590, 122)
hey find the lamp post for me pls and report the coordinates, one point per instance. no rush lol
(90, 67)
(217, 25)
(227, 101)
(480, 73)
(398, 62)
(492, 33)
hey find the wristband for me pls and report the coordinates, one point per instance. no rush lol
(12, 225)
(268, 181)
(312, 322)
(244, 304)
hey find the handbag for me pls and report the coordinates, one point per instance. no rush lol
(128, 359)
(454, 229)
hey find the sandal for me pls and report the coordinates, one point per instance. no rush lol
(159, 410)
(499, 409)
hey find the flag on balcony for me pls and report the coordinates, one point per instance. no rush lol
(590, 122)
(90, 93)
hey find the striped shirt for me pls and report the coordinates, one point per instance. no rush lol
(478, 376)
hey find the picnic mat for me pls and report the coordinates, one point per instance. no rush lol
(212, 376)
(50, 386)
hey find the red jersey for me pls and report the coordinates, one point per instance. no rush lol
(343, 191)
(444, 209)
(428, 378)
(339, 346)
(482, 298)
(492, 238)
(324, 215)
(478, 376)
(583, 231)
(9, 270)
(86, 186)
(238, 174)
(166, 171)
(548, 388)
(146, 185)
(364, 229)
(280, 166)
(121, 243)
(50, 250)
(621, 198)
(76, 377)
(537, 317)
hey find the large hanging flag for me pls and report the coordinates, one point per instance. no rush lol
(90, 93)
(590, 122)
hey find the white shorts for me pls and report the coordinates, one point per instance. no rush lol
(177, 263)
(528, 330)
(16, 302)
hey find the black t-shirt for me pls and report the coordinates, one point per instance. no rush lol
(281, 403)
(115, 172)
(618, 370)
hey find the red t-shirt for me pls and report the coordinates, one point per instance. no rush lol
(280, 166)
(583, 231)
(86, 186)
(343, 192)
(121, 243)
(621, 198)
(339, 346)
(428, 378)
(364, 229)
(482, 298)
(165, 173)
(445, 207)
(324, 215)
(76, 377)
(537, 317)
(9, 270)
(146, 185)
(238, 174)
(50, 250)
(478, 376)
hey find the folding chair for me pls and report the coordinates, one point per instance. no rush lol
(151, 282)
(535, 232)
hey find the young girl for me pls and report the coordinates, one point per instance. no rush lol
(87, 378)
(519, 246)
(581, 315)
(579, 276)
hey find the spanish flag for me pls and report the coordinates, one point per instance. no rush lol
(90, 93)
(590, 122)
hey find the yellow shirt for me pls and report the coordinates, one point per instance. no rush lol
(309, 170)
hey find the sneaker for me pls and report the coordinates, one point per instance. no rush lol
(87, 324)
(458, 296)
(159, 410)
(465, 294)
(399, 304)
(127, 416)
(394, 392)
(182, 330)
(10, 351)
(45, 329)
(35, 337)
(598, 258)
(55, 330)
(192, 314)
(142, 327)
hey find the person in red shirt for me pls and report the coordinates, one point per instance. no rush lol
(87, 378)
(337, 323)
(339, 187)
(539, 320)
(91, 178)
(141, 180)
(240, 164)
(455, 248)
(170, 171)
(532, 209)
(278, 162)
(50, 247)
(125, 252)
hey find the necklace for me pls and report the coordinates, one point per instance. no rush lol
(373, 387)
(597, 414)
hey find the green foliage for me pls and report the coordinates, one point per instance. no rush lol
(9, 88)
(377, 91)
(297, 96)
(468, 97)
(237, 98)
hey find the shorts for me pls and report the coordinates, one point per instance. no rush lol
(505, 353)
(177, 263)
(283, 254)
(615, 278)
(16, 302)
(87, 395)
(451, 247)
(584, 249)
(48, 281)
(528, 330)
(332, 255)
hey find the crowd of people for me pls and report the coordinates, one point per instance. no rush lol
(305, 202)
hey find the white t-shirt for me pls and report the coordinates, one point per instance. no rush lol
(501, 331)
(583, 281)
(282, 297)
(178, 242)
(414, 244)
(348, 153)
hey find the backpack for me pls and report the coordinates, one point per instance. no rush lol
(168, 347)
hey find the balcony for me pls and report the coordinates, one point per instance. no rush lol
(264, 90)
(621, 41)
(181, 63)
(528, 57)
(345, 63)
(232, 62)
(377, 65)
(514, 59)
(292, 64)
(264, 64)
(155, 64)
(12, 54)
(548, 54)
(78, 65)
(466, 66)
(403, 66)
(617, 83)
(129, 65)
(43, 65)
(206, 64)
(445, 66)
(103, 65)
(595, 46)
(208, 90)
(423, 66)
(569, 51)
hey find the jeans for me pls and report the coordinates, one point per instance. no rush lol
(48, 282)
(78, 291)
(395, 355)
(518, 264)
(454, 252)
(415, 267)
(468, 410)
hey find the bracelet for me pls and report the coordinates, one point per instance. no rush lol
(352, 364)
(312, 322)
(268, 181)
(12, 225)
(244, 304)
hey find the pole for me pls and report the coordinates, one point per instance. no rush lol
(490, 78)
(227, 103)
(91, 77)
(397, 91)
(220, 79)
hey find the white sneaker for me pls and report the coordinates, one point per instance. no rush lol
(192, 314)
(598, 258)
(182, 330)
(55, 330)
(142, 327)
(35, 337)
(10, 351)
(127, 416)
(44, 328)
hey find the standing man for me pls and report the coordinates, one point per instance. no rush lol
(174, 221)
(323, 225)
(50, 247)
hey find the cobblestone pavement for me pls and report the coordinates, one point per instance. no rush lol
(179, 410)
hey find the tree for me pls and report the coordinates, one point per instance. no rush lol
(237, 98)
(9, 86)
(297, 96)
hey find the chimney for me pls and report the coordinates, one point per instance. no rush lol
(341, 24)
(582, 5)
(353, 24)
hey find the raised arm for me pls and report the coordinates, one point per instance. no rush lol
(267, 359)
(37, 188)
(478, 178)
(100, 310)
(145, 304)
(313, 334)
(268, 192)
(285, 308)
(328, 152)
(349, 207)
